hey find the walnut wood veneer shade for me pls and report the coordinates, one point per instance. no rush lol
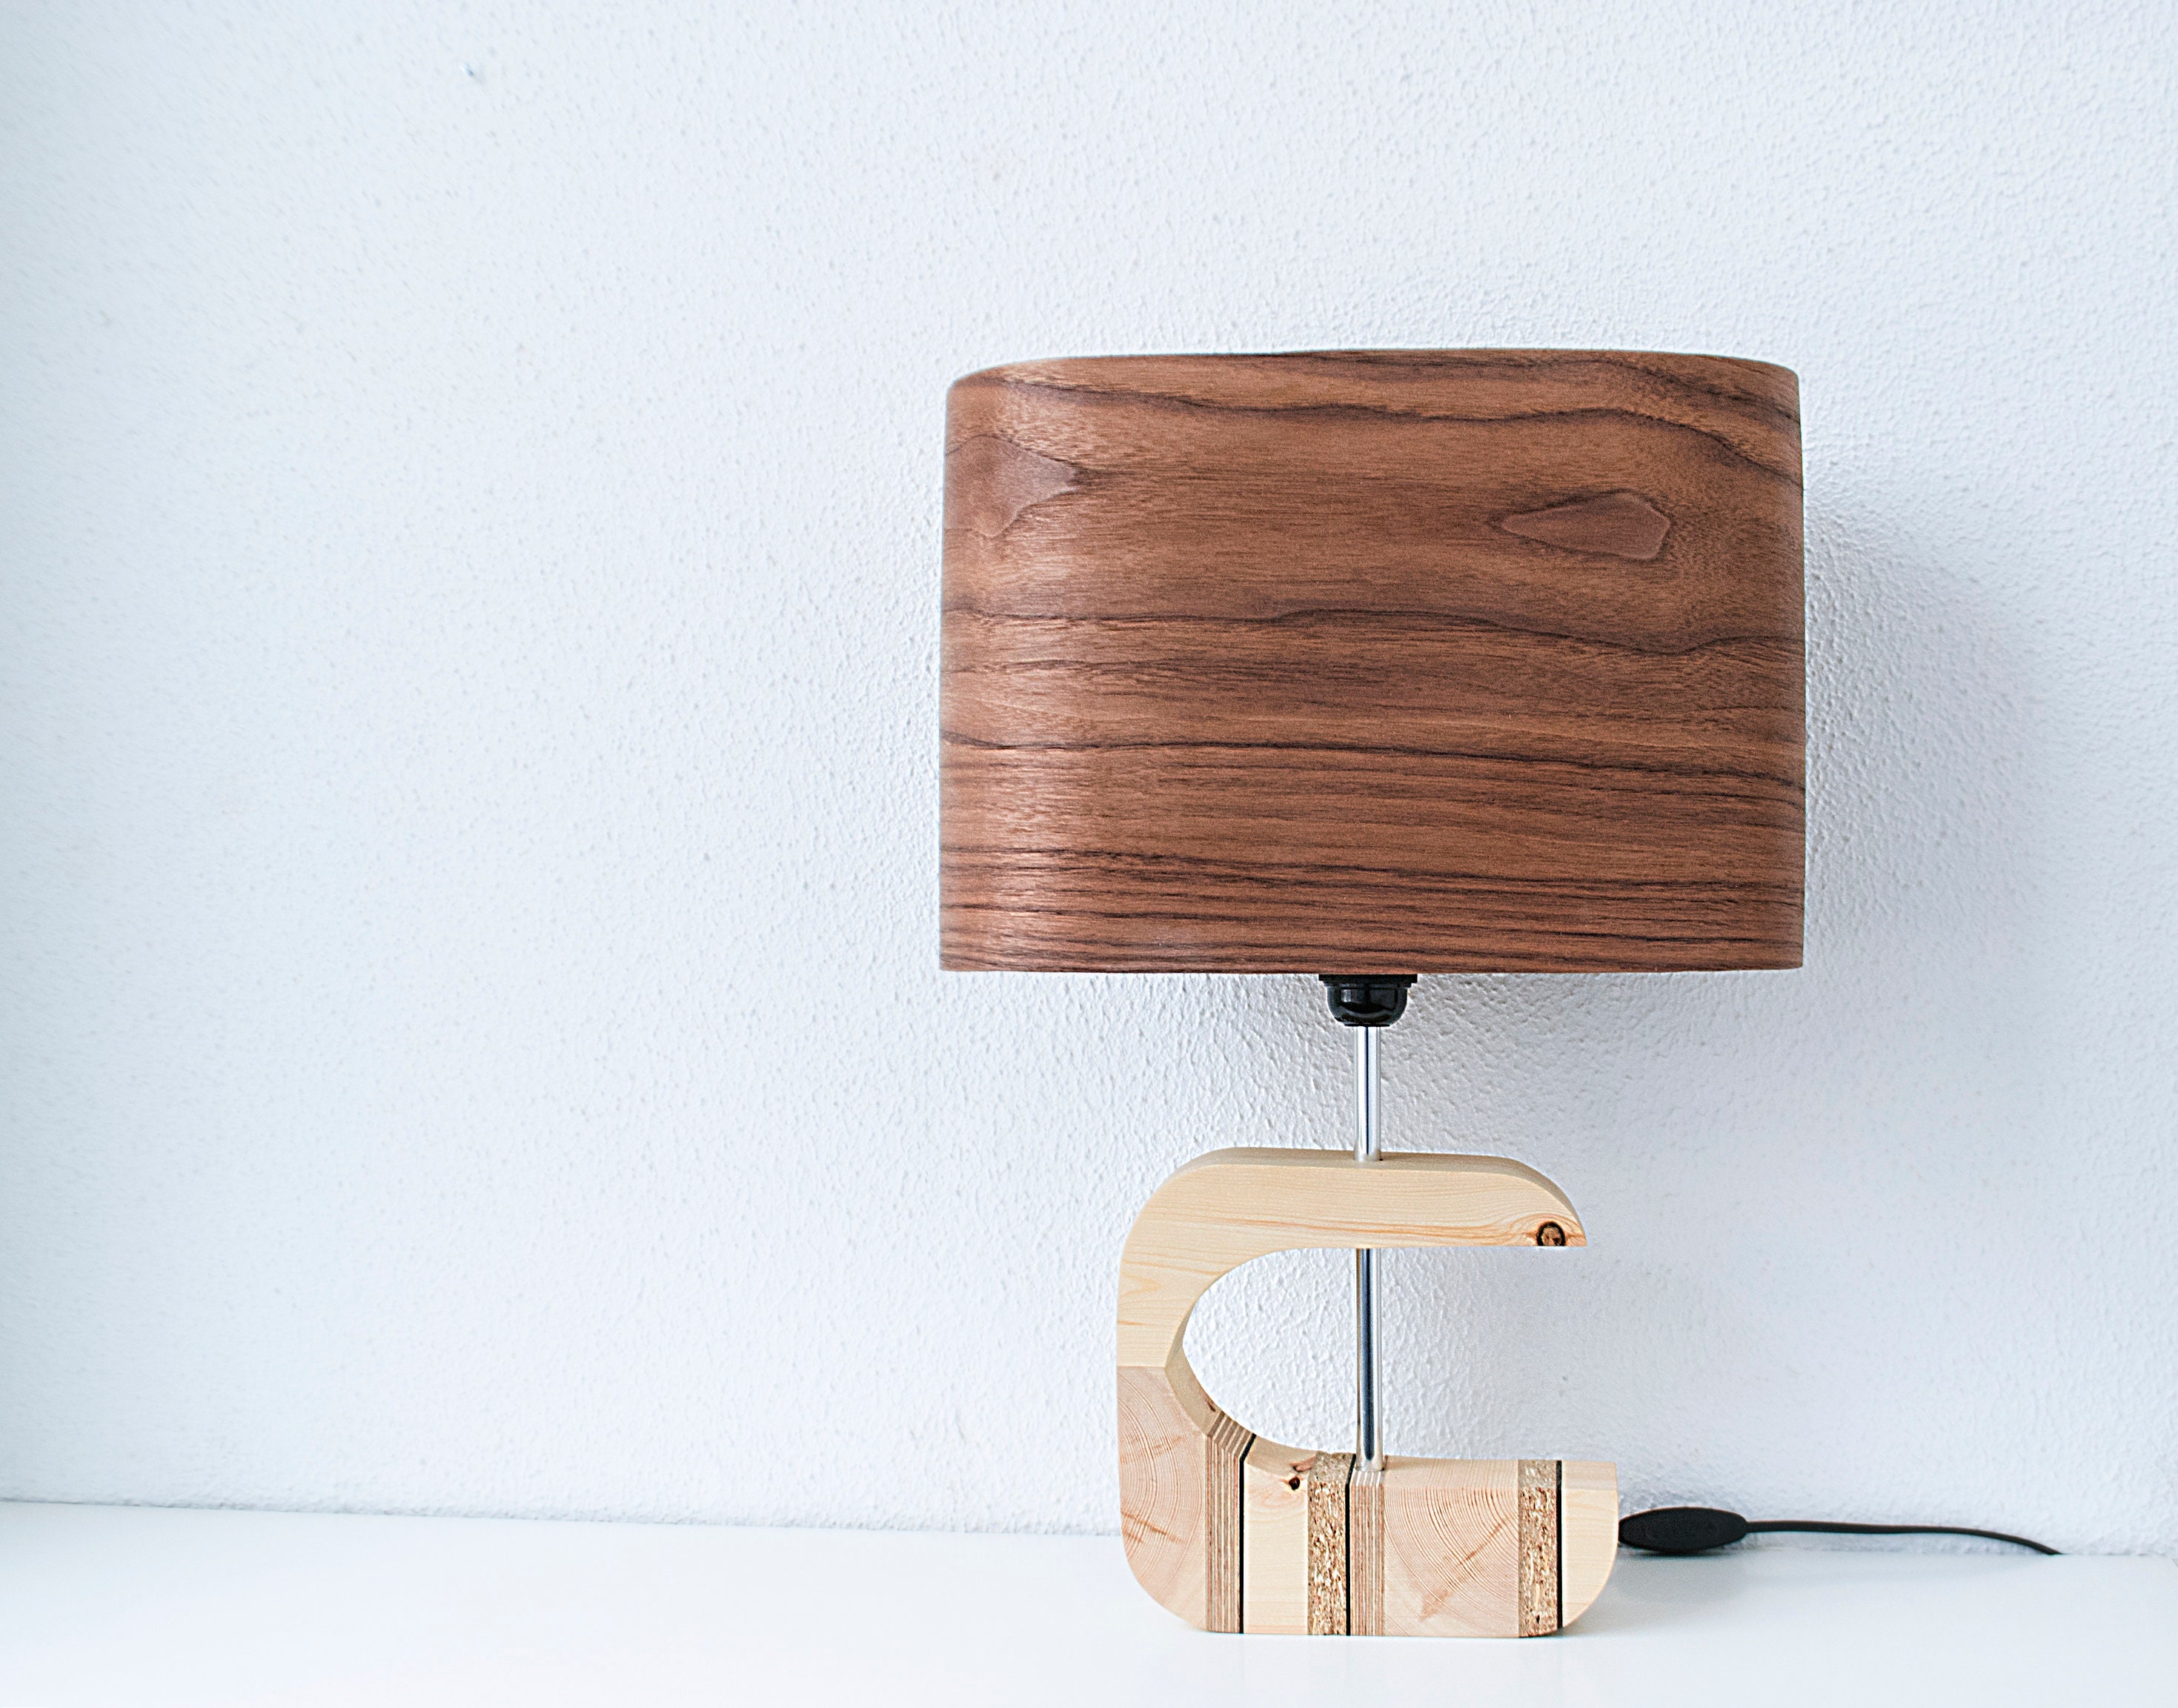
(1399, 661)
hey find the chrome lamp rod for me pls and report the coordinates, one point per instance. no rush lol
(1367, 1002)
(1368, 1447)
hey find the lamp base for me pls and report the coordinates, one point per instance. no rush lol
(1235, 1533)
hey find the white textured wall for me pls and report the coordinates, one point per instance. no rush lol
(473, 1038)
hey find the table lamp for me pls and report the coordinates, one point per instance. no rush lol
(1365, 665)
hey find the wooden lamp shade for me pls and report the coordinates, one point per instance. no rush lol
(1390, 661)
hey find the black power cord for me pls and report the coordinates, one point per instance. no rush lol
(1697, 1529)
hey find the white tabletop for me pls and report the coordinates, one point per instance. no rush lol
(150, 1607)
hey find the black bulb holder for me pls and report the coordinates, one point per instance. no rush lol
(1366, 999)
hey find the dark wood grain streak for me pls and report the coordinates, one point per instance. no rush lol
(1401, 661)
(1619, 524)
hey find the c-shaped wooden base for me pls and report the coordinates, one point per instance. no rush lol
(1235, 1533)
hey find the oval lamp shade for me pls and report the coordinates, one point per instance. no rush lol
(1373, 662)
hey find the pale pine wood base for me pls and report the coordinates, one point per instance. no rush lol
(1236, 1533)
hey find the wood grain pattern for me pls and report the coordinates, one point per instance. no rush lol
(1406, 661)
(1235, 1533)
(1587, 1533)
(1619, 524)
(1226, 1207)
(1163, 1459)
(1275, 1540)
(1452, 1548)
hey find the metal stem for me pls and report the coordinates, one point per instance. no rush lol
(1367, 1447)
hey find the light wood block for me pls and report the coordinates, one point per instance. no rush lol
(1235, 1533)
(1588, 1514)
(1274, 1539)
